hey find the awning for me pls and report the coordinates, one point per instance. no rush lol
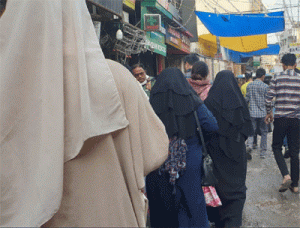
(235, 25)
(242, 57)
(207, 47)
(240, 44)
(101, 13)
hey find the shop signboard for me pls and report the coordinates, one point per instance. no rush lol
(156, 36)
(156, 46)
(185, 43)
(129, 3)
(177, 40)
(295, 48)
(256, 60)
(173, 38)
(152, 22)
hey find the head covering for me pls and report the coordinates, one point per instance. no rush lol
(226, 102)
(201, 87)
(174, 101)
(102, 185)
(56, 91)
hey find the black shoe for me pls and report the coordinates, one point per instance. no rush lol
(286, 154)
(249, 156)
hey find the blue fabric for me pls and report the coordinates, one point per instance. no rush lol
(242, 57)
(236, 25)
(187, 208)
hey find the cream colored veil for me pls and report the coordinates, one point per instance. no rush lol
(56, 91)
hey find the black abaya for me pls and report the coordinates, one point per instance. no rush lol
(227, 148)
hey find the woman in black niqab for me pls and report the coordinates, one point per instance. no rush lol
(228, 149)
(174, 101)
(174, 191)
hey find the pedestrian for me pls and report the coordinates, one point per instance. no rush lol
(255, 98)
(227, 148)
(147, 82)
(77, 136)
(285, 89)
(174, 190)
(199, 80)
(248, 78)
(188, 62)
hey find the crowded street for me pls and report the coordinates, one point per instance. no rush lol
(149, 113)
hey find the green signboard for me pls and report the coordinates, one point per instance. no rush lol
(156, 46)
(152, 22)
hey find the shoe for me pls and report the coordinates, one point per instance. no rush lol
(263, 156)
(248, 150)
(249, 156)
(293, 190)
(285, 186)
(286, 153)
(254, 146)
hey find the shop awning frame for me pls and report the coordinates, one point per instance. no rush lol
(101, 13)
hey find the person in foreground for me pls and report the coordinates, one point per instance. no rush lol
(285, 88)
(227, 148)
(174, 190)
(77, 133)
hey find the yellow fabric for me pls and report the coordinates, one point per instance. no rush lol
(240, 44)
(244, 88)
(207, 47)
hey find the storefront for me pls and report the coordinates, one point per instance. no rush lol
(162, 22)
(178, 45)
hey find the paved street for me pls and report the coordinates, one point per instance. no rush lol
(265, 206)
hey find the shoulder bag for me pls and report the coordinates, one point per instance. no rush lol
(208, 177)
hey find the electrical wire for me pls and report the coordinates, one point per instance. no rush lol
(287, 12)
(206, 3)
(234, 6)
(293, 22)
(217, 4)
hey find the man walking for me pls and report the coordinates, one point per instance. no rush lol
(146, 81)
(189, 61)
(285, 88)
(248, 77)
(255, 97)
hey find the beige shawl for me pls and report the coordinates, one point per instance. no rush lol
(56, 91)
(102, 186)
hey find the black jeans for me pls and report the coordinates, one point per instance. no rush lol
(287, 127)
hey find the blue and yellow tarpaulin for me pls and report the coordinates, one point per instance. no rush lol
(240, 44)
(242, 57)
(236, 25)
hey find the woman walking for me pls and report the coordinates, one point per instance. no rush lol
(228, 150)
(199, 80)
(175, 195)
(77, 133)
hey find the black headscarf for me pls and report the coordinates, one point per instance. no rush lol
(228, 105)
(174, 101)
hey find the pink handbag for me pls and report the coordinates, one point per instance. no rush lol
(211, 197)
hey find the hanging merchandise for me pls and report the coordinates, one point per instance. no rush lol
(240, 44)
(235, 25)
